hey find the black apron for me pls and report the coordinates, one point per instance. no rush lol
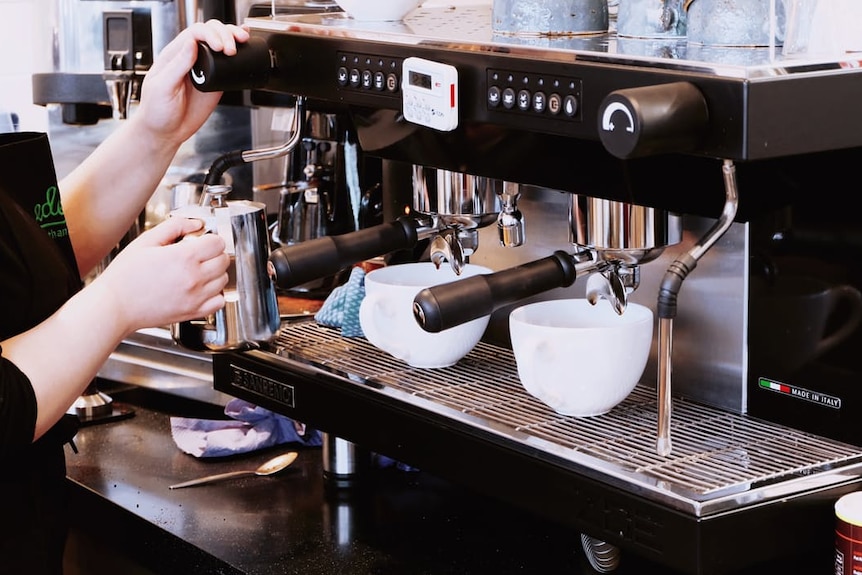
(38, 274)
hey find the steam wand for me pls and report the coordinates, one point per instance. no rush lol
(666, 310)
(232, 159)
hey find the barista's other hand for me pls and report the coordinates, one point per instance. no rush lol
(171, 107)
(156, 280)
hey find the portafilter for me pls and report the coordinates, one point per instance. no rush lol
(611, 239)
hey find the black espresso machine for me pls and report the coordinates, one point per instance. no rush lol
(739, 439)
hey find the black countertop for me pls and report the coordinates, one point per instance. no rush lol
(391, 522)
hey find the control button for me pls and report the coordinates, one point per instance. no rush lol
(555, 104)
(392, 82)
(494, 96)
(570, 106)
(539, 102)
(355, 77)
(379, 81)
(342, 76)
(524, 100)
(367, 79)
(508, 98)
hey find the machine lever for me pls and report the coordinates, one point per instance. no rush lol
(327, 255)
(447, 305)
(249, 68)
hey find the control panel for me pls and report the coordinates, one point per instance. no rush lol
(369, 73)
(533, 95)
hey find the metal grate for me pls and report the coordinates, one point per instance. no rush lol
(715, 451)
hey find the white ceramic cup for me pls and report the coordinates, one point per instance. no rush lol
(378, 10)
(580, 359)
(386, 315)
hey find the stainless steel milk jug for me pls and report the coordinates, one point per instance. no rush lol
(250, 315)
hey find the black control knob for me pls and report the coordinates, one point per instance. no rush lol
(660, 119)
(248, 69)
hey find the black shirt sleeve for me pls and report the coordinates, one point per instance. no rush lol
(17, 408)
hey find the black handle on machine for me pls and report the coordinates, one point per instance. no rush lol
(652, 120)
(248, 69)
(325, 256)
(448, 305)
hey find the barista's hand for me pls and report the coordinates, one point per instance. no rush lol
(157, 280)
(171, 108)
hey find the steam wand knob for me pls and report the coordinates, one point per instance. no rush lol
(651, 120)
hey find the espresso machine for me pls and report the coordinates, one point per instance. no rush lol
(687, 178)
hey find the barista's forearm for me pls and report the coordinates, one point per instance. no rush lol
(63, 354)
(103, 196)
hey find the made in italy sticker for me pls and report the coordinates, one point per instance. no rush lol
(817, 397)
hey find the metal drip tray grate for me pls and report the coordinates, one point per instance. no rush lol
(715, 453)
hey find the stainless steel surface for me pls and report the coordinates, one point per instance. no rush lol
(250, 315)
(150, 358)
(280, 150)
(469, 25)
(623, 232)
(78, 30)
(679, 270)
(342, 459)
(457, 199)
(722, 461)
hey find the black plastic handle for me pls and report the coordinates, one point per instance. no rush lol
(448, 305)
(326, 256)
(652, 120)
(248, 69)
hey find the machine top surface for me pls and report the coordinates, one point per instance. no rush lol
(466, 26)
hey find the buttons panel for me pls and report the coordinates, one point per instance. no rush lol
(534, 95)
(369, 73)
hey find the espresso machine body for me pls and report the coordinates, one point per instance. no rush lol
(756, 442)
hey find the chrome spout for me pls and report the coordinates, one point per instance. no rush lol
(607, 285)
(446, 247)
(121, 86)
(510, 220)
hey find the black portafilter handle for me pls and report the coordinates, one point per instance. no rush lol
(248, 69)
(325, 256)
(448, 305)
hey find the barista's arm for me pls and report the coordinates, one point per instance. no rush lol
(154, 281)
(103, 196)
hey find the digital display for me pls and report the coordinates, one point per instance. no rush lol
(420, 80)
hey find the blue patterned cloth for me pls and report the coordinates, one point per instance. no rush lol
(341, 308)
(250, 428)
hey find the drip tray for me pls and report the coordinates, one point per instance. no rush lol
(720, 460)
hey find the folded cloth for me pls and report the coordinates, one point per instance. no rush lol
(250, 428)
(341, 308)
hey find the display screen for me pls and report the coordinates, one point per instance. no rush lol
(420, 80)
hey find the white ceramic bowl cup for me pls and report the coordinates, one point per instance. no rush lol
(580, 359)
(386, 315)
